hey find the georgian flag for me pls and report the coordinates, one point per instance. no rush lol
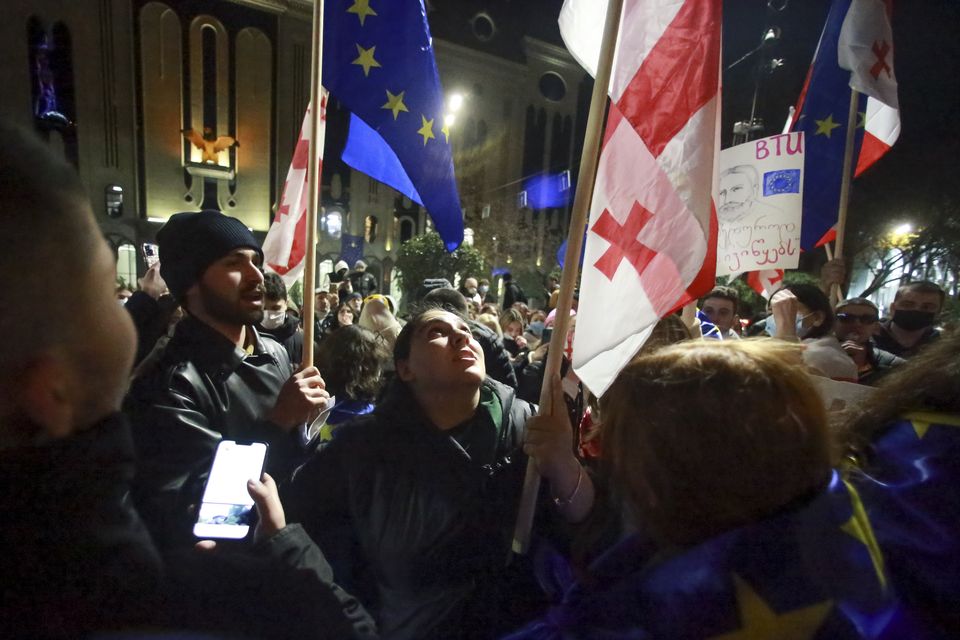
(286, 244)
(866, 50)
(651, 239)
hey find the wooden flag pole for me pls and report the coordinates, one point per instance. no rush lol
(313, 182)
(571, 265)
(836, 294)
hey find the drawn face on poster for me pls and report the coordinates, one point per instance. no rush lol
(759, 202)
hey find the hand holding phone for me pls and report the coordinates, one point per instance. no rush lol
(226, 507)
(151, 254)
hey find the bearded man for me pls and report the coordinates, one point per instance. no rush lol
(217, 378)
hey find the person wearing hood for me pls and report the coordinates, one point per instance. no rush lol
(277, 323)
(376, 317)
(339, 271)
(364, 282)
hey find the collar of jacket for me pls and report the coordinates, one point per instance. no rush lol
(403, 411)
(213, 353)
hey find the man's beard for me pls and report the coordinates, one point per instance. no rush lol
(229, 311)
(732, 212)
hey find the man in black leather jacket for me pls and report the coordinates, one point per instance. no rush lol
(216, 378)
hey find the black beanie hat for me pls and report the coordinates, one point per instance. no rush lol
(192, 241)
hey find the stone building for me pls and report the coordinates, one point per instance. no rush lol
(111, 84)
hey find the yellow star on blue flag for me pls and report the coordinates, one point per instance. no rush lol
(827, 92)
(393, 142)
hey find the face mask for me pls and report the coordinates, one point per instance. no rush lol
(482, 290)
(472, 291)
(536, 328)
(273, 319)
(771, 325)
(912, 319)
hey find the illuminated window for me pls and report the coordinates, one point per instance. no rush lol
(370, 229)
(332, 223)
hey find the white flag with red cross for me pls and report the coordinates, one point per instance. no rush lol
(652, 236)
(285, 246)
(865, 48)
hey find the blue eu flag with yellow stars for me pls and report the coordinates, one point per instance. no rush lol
(378, 62)
(823, 110)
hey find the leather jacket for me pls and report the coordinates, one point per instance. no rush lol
(198, 390)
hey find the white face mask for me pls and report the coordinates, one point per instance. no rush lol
(273, 319)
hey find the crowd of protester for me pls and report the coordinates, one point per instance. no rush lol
(713, 489)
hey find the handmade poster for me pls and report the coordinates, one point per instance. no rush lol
(759, 202)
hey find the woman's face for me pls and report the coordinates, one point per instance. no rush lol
(443, 352)
(513, 329)
(345, 316)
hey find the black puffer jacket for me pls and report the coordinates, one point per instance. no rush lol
(200, 389)
(413, 525)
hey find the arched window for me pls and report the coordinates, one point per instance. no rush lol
(370, 229)
(407, 229)
(332, 223)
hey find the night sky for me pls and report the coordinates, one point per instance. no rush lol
(927, 45)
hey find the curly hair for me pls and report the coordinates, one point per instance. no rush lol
(351, 361)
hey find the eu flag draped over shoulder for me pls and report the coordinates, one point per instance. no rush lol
(825, 102)
(814, 572)
(378, 62)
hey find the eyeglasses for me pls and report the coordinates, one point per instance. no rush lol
(862, 318)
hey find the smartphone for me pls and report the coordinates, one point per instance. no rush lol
(546, 335)
(226, 507)
(151, 254)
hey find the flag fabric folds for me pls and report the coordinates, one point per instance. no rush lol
(378, 63)
(814, 571)
(651, 240)
(824, 103)
(766, 282)
(351, 248)
(286, 242)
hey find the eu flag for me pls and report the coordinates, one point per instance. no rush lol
(378, 62)
(823, 118)
(351, 248)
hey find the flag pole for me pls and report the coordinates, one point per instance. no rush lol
(836, 293)
(313, 184)
(571, 265)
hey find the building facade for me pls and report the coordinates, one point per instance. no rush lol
(137, 94)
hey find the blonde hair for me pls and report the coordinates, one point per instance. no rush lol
(490, 321)
(702, 437)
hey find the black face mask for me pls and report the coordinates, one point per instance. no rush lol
(913, 320)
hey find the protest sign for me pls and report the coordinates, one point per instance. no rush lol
(759, 204)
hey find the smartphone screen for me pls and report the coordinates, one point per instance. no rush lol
(226, 506)
(151, 254)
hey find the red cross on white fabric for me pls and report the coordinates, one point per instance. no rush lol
(623, 241)
(880, 49)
